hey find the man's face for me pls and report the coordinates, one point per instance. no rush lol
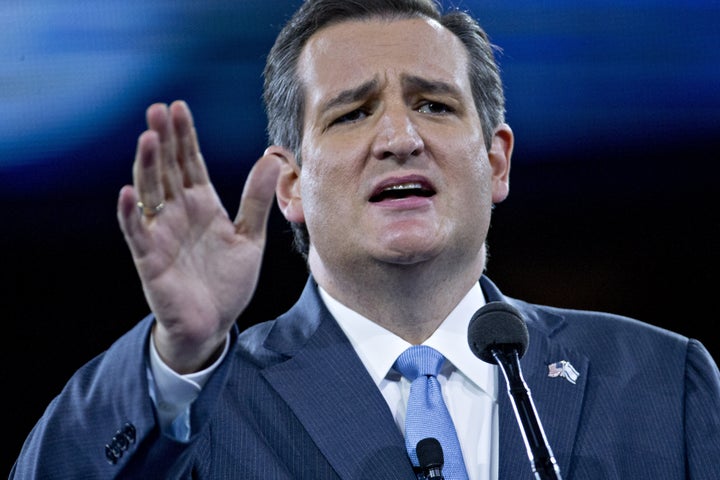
(395, 167)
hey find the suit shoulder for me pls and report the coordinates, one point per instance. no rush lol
(250, 344)
(603, 330)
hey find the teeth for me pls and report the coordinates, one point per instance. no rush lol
(405, 186)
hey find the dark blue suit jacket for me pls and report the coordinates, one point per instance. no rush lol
(293, 401)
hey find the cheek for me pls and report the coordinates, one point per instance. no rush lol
(317, 180)
(329, 174)
(472, 176)
(323, 189)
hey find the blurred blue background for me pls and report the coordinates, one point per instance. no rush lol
(613, 206)
(582, 78)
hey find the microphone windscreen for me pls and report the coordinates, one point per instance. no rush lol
(497, 325)
(429, 453)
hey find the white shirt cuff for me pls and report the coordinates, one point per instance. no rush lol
(173, 393)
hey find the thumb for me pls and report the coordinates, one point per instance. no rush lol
(257, 197)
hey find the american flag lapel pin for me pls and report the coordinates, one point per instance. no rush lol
(563, 369)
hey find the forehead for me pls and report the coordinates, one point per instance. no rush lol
(350, 53)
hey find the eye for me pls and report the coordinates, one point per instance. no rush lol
(434, 108)
(349, 117)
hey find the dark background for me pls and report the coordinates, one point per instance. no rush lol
(613, 206)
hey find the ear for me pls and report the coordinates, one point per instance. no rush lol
(499, 156)
(287, 190)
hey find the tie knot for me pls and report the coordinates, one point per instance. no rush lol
(419, 360)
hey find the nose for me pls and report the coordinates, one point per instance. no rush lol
(397, 136)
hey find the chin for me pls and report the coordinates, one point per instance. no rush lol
(409, 253)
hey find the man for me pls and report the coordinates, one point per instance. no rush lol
(389, 149)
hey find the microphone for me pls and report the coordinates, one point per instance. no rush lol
(430, 456)
(497, 334)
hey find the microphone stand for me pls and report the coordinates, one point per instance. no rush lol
(541, 458)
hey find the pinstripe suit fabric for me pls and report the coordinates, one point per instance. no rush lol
(293, 401)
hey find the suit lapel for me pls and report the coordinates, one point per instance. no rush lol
(558, 401)
(326, 385)
(323, 379)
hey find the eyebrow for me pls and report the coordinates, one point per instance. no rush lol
(363, 90)
(430, 86)
(352, 94)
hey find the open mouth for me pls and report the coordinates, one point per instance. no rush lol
(402, 190)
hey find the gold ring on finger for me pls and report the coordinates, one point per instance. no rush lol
(150, 211)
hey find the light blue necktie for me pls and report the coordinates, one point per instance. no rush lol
(427, 415)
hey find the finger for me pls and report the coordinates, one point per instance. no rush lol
(189, 157)
(158, 120)
(257, 197)
(130, 221)
(147, 175)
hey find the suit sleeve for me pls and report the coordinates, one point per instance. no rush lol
(103, 423)
(702, 413)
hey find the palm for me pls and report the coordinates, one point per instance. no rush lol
(198, 268)
(197, 265)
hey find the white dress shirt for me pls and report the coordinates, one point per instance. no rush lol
(469, 385)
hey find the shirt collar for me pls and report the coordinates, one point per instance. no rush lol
(378, 348)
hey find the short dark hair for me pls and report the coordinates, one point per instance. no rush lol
(284, 94)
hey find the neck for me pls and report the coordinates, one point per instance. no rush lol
(409, 300)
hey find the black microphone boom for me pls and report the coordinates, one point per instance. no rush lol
(431, 459)
(497, 334)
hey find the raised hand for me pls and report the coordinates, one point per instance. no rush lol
(198, 268)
